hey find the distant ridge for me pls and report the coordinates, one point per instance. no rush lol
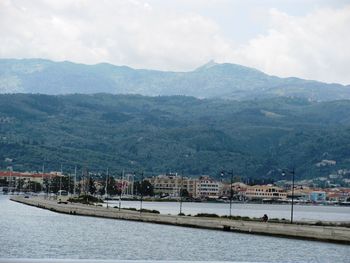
(212, 80)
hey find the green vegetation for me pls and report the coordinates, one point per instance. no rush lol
(145, 188)
(245, 218)
(85, 199)
(206, 215)
(143, 210)
(173, 134)
(149, 211)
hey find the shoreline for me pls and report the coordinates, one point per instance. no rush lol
(334, 234)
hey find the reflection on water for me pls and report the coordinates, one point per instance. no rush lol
(29, 232)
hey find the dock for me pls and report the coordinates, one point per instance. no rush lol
(335, 234)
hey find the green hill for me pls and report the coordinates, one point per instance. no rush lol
(172, 134)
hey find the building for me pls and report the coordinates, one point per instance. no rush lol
(167, 184)
(326, 163)
(318, 196)
(208, 187)
(171, 185)
(15, 179)
(10, 176)
(238, 190)
(191, 186)
(266, 192)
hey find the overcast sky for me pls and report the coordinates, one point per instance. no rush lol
(303, 38)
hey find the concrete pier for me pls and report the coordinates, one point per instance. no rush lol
(312, 232)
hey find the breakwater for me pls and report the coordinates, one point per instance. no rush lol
(321, 233)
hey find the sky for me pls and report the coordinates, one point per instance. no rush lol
(302, 38)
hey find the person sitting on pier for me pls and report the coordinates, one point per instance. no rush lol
(265, 218)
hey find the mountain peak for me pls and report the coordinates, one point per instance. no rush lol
(208, 65)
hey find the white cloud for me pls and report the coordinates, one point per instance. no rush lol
(147, 35)
(316, 46)
(121, 32)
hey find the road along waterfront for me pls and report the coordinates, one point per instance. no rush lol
(322, 233)
(28, 232)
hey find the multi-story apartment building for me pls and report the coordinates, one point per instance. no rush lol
(265, 192)
(171, 184)
(191, 186)
(208, 187)
(168, 184)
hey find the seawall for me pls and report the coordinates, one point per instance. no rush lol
(320, 233)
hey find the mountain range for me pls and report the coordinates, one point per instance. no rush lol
(213, 80)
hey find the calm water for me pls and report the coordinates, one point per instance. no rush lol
(29, 232)
(301, 212)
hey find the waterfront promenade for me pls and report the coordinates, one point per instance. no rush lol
(302, 231)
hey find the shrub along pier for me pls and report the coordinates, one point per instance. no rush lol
(302, 231)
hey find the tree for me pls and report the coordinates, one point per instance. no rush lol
(92, 187)
(184, 193)
(34, 186)
(112, 186)
(3, 182)
(19, 185)
(145, 188)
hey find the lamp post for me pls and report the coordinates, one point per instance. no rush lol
(11, 181)
(121, 189)
(231, 192)
(141, 191)
(75, 180)
(290, 172)
(106, 190)
(181, 190)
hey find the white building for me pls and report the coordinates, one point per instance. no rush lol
(208, 187)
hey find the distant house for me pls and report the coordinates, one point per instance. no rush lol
(208, 187)
(318, 196)
(269, 192)
(37, 177)
(238, 190)
(326, 163)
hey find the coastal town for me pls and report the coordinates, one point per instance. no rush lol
(334, 190)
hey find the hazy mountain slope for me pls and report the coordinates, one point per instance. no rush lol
(209, 81)
(162, 134)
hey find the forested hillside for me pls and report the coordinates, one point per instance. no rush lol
(173, 134)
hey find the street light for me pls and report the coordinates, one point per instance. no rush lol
(11, 180)
(181, 190)
(141, 190)
(231, 192)
(106, 189)
(290, 172)
(121, 189)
